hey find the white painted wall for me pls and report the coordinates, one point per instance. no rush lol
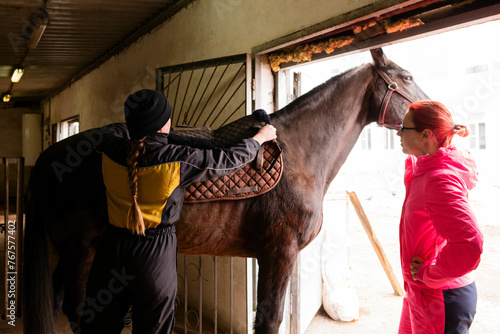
(31, 138)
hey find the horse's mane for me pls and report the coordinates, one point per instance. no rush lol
(316, 95)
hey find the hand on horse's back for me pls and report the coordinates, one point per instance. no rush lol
(266, 133)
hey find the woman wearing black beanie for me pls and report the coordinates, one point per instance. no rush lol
(145, 178)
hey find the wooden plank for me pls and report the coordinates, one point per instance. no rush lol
(384, 261)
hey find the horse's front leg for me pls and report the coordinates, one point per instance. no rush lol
(275, 270)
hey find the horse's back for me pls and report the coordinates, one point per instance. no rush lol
(68, 174)
(227, 135)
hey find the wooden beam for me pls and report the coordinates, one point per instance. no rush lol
(376, 244)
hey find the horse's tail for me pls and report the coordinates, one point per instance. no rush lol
(38, 314)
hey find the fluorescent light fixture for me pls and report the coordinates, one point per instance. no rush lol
(36, 35)
(16, 76)
(7, 97)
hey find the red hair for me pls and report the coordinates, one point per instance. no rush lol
(436, 117)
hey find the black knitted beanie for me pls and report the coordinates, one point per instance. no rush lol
(146, 112)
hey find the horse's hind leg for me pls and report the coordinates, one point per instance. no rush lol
(58, 288)
(275, 270)
(75, 266)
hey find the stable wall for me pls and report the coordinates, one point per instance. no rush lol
(10, 131)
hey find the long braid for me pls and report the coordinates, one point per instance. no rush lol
(135, 221)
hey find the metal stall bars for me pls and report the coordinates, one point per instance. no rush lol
(211, 93)
(13, 235)
(207, 93)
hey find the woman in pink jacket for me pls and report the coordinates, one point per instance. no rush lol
(441, 243)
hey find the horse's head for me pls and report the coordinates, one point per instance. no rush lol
(394, 90)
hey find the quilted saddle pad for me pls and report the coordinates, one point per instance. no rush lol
(256, 178)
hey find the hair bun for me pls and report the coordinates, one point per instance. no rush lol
(461, 130)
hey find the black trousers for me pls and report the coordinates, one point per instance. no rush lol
(130, 270)
(460, 308)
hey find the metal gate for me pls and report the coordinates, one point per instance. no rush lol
(12, 229)
(215, 293)
(207, 93)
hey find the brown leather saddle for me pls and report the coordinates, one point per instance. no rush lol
(256, 178)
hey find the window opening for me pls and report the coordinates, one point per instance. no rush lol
(366, 140)
(65, 128)
(477, 136)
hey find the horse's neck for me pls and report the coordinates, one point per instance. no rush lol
(320, 130)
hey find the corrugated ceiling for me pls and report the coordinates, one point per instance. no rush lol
(79, 36)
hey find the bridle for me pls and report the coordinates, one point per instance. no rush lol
(392, 87)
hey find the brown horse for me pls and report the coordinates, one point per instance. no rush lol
(317, 131)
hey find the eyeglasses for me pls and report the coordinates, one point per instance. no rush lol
(402, 128)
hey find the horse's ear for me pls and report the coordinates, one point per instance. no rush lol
(379, 57)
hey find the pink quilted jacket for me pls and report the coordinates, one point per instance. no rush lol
(438, 225)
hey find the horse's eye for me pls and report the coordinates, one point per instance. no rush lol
(407, 78)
